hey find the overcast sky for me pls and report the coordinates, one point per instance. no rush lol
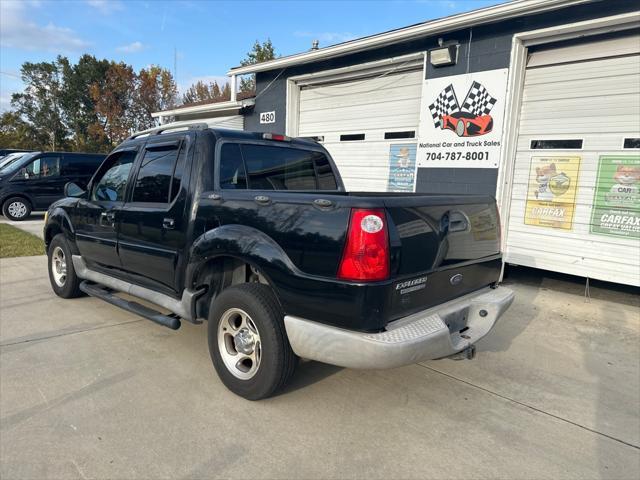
(209, 36)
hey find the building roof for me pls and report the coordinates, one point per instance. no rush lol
(481, 16)
(228, 106)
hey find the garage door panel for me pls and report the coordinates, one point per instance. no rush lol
(583, 70)
(597, 101)
(350, 112)
(351, 120)
(572, 265)
(588, 126)
(581, 225)
(362, 86)
(578, 108)
(324, 101)
(610, 252)
(603, 142)
(579, 90)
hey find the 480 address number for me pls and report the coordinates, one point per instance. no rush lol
(457, 156)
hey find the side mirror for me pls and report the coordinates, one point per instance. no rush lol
(73, 190)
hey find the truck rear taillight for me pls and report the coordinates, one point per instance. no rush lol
(366, 252)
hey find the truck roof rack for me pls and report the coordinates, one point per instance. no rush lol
(166, 128)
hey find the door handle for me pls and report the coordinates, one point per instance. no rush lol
(262, 199)
(107, 217)
(168, 223)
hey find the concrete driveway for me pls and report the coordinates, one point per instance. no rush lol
(90, 391)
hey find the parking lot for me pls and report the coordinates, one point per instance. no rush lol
(90, 391)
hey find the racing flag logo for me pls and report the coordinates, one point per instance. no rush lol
(470, 120)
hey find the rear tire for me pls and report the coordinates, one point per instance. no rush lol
(248, 343)
(16, 209)
(64, 281)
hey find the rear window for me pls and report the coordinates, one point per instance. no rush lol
(262, 167)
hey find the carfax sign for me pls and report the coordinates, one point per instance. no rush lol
(551, 196)
(402, 167)
(616, 201)
(461, 119)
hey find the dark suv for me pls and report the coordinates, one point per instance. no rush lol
(255, 233)
(35, 180)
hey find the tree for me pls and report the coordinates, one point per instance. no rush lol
(78, 104)
(260, 52)
(40, 103)
(16, 133)
(156, 90)
(114, 102)
(89, 106)
(206, 92)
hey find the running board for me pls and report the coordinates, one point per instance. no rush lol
(172, 322)
(184, 308)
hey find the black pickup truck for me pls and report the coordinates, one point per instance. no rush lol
(256, 234)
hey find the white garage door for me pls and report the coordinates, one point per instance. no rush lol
(582, 103)
(358, 120)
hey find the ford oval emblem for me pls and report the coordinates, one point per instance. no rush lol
(456, 279)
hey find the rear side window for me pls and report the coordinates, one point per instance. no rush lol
(284, 168)
(154, 180)
(232, 174)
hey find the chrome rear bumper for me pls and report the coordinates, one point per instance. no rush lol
(415, 338)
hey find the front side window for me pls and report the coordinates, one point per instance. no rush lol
(154, 181)
(43, 167)
(111, 185)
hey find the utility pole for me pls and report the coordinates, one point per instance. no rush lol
(175, 65)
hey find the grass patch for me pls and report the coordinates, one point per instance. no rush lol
(16, 243)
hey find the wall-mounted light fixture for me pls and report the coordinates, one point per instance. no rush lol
(443, 55)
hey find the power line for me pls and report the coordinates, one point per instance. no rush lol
(9, 74)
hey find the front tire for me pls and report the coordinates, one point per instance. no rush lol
(248, 343)
(16, 209)
(64, 281)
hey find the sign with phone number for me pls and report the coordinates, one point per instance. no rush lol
(454, 156)
(461, 118)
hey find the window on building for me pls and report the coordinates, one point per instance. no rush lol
(631, 143)
(351, 137)
(563, 144)
(396, 135)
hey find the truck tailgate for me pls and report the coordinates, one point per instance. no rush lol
(442, 247)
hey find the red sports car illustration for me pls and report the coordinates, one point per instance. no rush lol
(467, 124)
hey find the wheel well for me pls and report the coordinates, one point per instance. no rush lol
(221, 273)
(52, 231)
